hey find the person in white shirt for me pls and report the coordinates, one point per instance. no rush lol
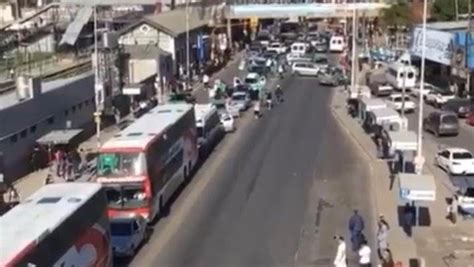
(364, 254)
(205, 81)
(340, 259)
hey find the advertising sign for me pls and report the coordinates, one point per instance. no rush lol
(438, 45)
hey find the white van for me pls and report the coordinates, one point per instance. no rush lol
(299, 48)
(395, 75)
(336, 44)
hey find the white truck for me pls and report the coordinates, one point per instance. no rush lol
(395, 101)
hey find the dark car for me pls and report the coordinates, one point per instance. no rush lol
(260, 69)
(441, 123)
(462, 107)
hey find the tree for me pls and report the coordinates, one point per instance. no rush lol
(445, 10)
(396, 15)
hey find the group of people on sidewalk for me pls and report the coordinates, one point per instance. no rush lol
(360, 244)
(68, 164)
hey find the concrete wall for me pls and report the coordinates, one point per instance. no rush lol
(22, 124)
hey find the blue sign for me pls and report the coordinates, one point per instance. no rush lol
(200, 47)
(460, 39)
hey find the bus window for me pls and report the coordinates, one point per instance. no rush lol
(118, 164)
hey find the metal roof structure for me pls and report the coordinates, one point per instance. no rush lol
(385, 113)
(202, 112)
(145, 129)
(33, 219)
(59, 136)
(74, 28)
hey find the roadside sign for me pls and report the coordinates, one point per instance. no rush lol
(254, 22)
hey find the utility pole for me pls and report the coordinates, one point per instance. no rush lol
(188, 76)
(354, 58)
(456, 7)
(468, 47)
(404, 91)
(420, 160)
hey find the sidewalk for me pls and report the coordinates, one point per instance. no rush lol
(432, 243)
(28, 184)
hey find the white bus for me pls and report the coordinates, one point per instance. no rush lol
(209, 128)
(336, 44)
(62, 224)
(142, 166)
(396, 75)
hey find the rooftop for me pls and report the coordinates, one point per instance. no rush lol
(153, 123)
(447, 25)
(174, 22)
(39, 214)
(10, 99)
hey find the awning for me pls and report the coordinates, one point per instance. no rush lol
(369, 104)
(385, 115)
(403, 140)
(59, 137)
(414, 187)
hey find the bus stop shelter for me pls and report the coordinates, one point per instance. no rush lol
(369, 104)
(416, 188)
(388, 117)
(403, 144)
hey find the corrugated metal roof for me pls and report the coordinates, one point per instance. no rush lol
(74, 29)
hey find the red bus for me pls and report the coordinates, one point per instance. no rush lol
(63, 224)
(143, 165)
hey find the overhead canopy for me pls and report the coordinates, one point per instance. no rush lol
(74, 29)
(403, 140)
(372, 103)
(385, 115)
(414, 187)
(59, 137)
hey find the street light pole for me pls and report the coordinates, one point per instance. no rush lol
(404, 91)
(187, 45)
(354, 59)
(98, 95)
(420, 160)
(468, 47)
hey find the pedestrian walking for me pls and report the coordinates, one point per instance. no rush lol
(356, 226)
(387, 258)
(35, 159)
(83, 159)
(364, 254)
(59, 162)
(453, 210)
(382, 235)
(205, 81)
(408, 219)
(340, 259)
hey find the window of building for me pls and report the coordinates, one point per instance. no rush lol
(66, 112)
(33, 129)
(50, 120)
(87, 102)
(79, 106)
(73, 109)
(23, 133)
(13, 138)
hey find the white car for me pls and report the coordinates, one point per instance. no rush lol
(255, 81)
(227, 122)
(466, 200)
(457, 161)
(437, 97)
(427, 89)
(395, 101)
(294, 57)
(305, 69)
(127, 234)
(279, 48)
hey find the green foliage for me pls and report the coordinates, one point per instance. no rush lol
(445, 10)
(398, 14)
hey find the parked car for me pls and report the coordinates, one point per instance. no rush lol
(261, 70)
(439, 97)
(462, 107)
(381, 89)
(395, 101)
(466, 200)
(254, 81)
(279, 48)
(326, 78)
(427, 89)
(441, 123)
(455, 161)
(227, 122)
(321, 62)
(470, 118)
(127, 234)
(241, 100)
(305, 69)
(294, 57)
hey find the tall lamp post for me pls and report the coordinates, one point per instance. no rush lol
(188, 76)
(97, 86)
(420, 160)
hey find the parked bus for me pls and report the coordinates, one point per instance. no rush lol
(62, 224)
(209, 128)
(396, 75)
(142, 166)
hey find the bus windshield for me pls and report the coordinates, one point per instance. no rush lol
(120, 164)
(127, 196)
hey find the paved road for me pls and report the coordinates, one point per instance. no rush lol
(272, 194)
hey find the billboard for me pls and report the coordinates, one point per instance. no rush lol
(460, 42)
(438, 48)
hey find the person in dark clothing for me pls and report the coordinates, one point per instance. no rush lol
(35, 159)
(356, 226)
(408, 217)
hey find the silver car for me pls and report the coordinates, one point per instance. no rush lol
(127, 234)
(305, 69)
(241, 100)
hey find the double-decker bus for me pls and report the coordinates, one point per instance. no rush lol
(142, 166)
(63, 224)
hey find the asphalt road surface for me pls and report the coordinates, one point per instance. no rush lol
(272, 194)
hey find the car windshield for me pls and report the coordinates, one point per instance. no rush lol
(250, 80)
(120, 164)
(462, 155)
(446, 93)
(238, 97)
(127, 196)
(449, 119)
(322, 60)
(399, 99)
(120, 229)
(469, 192)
